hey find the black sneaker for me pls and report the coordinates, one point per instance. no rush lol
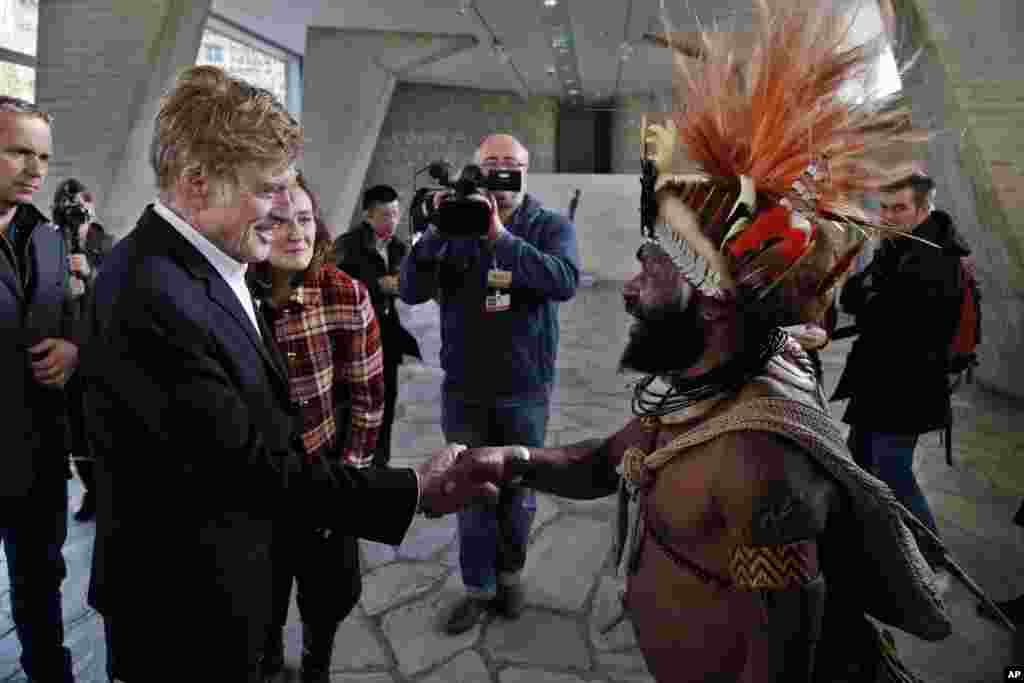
(465, 614)
(272, 657)
(511, 600)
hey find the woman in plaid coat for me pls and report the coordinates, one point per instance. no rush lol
(324, 325)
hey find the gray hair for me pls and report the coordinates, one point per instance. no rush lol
(16, 105)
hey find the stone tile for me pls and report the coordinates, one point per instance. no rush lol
(518, 675)
(426, 537)
(538, 638)
(424, 412)
(564, 560)
(88, 647)
(547, 510)
(977, 516)
(414, 631)
(356, 646)
(604, 508)
(468, 667)
(396, 583)
(376, 554)
(362, 678)
(624, 667)
(450, 557)
(607, 606)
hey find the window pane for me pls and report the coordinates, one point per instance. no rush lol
(18, 22)
(245, 62)
(18, 80)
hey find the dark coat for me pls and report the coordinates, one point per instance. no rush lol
(907, 304)
(35, 419)
(198, 464)
(355, 253)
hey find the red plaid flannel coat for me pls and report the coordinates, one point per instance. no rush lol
(330, 339)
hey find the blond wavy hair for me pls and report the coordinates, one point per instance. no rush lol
(210, 124)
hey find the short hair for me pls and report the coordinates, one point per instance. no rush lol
(379, 194)
(211, 123)
(921, 186)
(16, 105)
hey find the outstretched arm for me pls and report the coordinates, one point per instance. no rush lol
(583, 470)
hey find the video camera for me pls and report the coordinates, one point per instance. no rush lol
(74, 214)
(458, 215)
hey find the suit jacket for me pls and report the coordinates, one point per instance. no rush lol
(198, 464)
(356, 253)
(35, 435)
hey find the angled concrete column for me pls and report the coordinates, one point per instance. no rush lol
(967, 86)
(348, 79)
(103, 65)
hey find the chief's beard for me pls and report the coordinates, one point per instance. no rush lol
(664, 342)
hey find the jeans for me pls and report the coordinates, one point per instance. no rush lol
(33, 530)
(493, 537)
(890, 457)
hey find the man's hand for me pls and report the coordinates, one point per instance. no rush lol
(54, 362)
(497, 228)
(456, 477)
(78, 264)
(808, 335)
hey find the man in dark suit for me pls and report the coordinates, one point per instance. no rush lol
(372, 253)
(188, 400)
(39, 351)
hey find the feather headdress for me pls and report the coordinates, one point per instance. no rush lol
(761, 169)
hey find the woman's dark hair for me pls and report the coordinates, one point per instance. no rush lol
(322, 244)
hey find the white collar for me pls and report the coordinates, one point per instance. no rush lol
(229, 269)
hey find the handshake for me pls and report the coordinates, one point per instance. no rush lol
(456, 476)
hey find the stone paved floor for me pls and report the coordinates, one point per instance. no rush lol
(393, 636)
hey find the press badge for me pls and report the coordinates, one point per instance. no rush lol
(497, 301)
(498, 298)
(499, 279)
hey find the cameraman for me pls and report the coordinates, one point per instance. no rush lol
(498, 295)
(86, 241)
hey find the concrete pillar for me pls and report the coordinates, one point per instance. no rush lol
(348, 79)
(967, 87)
(103, 65)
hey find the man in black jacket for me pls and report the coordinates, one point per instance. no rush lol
(185, 381)
(372, 253)
(907, 303)
(74, 210)
(39, 339)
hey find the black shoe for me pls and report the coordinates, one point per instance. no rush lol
(510, 601)
(317, 648)
(1013, 609)
(87, 511)
(466, 614)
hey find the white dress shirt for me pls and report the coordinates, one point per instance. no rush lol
(231, 270)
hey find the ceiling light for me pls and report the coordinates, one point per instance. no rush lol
(550, 3)
(574, 91)
(625, 50)
(551, 70)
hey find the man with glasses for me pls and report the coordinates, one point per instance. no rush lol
(498, 298)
